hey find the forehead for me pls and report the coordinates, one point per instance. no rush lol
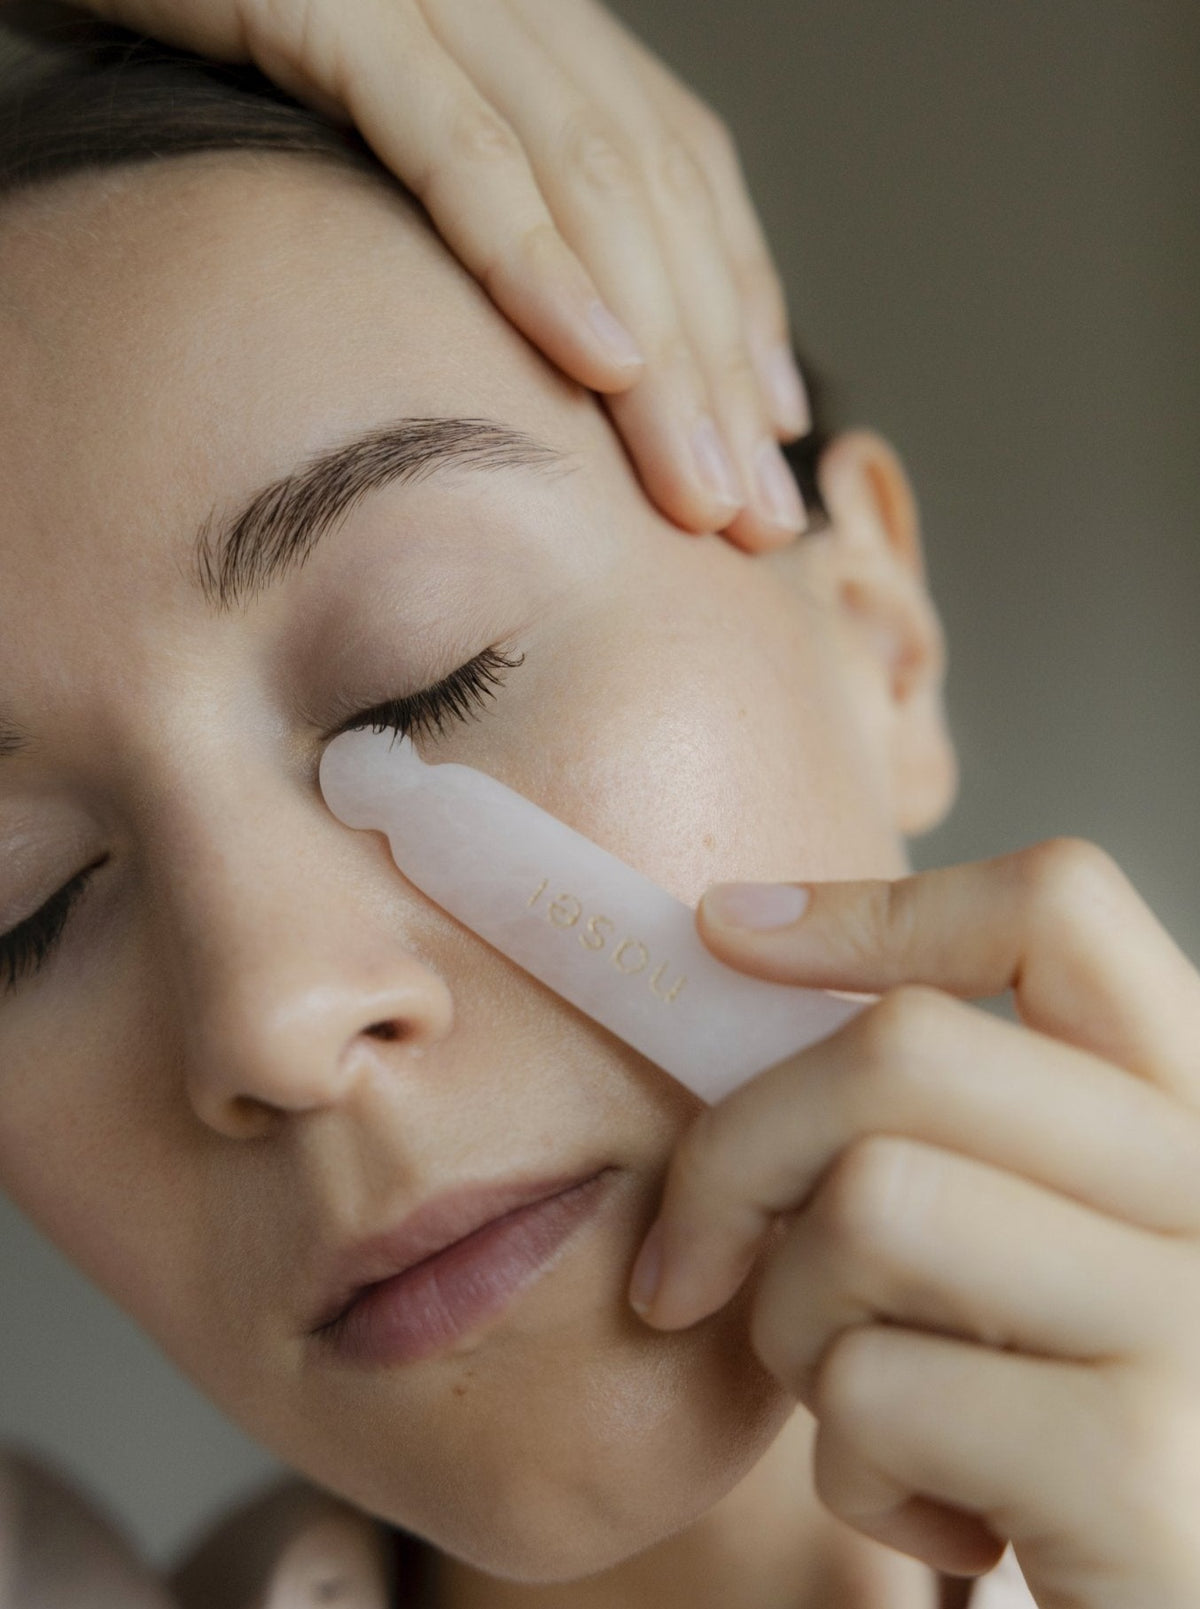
(171, 333)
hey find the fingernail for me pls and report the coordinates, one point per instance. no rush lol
(787, 389)
(714, 464)
(647, 1271)
(756, 905)
(778, 494)
(617, 340)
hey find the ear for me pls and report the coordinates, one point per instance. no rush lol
(871, 569)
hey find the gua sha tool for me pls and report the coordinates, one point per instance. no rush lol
(583, 922)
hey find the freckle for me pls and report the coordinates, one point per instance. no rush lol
(459, 1388)
(709, 841)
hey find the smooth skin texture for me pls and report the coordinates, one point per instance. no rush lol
(596, 197)
(974, 1245)
(196, 1103)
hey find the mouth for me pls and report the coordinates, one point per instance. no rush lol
(456, 1262)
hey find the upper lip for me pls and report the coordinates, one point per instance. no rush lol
(437, 1223)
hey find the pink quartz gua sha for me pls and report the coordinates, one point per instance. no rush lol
(588, 926)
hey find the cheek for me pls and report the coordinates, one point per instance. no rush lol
(714, 742)
(91, 1151)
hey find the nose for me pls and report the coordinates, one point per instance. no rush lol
(297, 986)
(295, 1042)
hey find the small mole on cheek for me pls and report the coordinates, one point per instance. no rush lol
(709, 841)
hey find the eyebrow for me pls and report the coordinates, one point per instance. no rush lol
(236, 558)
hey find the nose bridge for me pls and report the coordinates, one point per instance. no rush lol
(293, 975)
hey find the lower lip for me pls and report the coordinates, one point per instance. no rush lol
(429, 1306)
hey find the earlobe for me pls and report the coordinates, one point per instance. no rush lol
(874, 577)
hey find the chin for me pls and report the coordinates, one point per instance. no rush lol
(656, 1447)
(557, 1450)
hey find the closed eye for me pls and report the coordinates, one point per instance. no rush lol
(26, 948)
(461, 696)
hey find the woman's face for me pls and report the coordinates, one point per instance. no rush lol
(196, 1102)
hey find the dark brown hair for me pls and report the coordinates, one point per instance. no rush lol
(77, 93)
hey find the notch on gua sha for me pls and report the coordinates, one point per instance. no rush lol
(591, 928)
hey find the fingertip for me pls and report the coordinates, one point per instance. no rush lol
(785, 391)
(683, 463)
(750, 532)
(753, 907)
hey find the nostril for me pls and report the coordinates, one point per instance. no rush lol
(389, 1031)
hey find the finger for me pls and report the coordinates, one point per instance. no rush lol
(760, 288)
(424, 118)
(906, 1232)
(1091, 1472)
(590, 176)
(851, 1485)
(701, 308)
(922, 1065)
(1058, 923)
(710, 317)
(622, 74)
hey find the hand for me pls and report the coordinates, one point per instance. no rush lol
(597, 199)
(980, 1241)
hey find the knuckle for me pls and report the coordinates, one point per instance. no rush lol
(1067, 876)
(535, 251)
(598, 156)
(711, 138)
(538, 246)
(671, 353)
(894, 1033)
(738, 375)
(860, 1202)
(680, 175)
(480, 137)
(844, 1382)
(880, 921)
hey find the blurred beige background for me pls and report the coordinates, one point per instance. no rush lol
(987, 217)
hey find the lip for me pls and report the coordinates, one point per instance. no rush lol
(456, 1260)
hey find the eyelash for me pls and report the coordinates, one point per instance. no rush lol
(461, 696)
(27, 948)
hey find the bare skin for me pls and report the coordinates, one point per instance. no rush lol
(595, 196)
(219, 1107)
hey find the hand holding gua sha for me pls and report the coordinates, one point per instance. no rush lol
(585, 924)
